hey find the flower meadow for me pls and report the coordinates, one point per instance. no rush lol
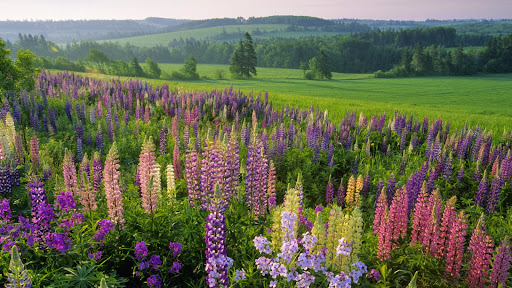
(123, 184)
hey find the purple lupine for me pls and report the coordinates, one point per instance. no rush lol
(256, 178)
(330, 154)
(483, 188)
(213, 172)
(5, 211)
(97, 172)
(217, 261)
(494, 195)
(163, 141)
(501, 264)
(390, 188)
(99, 139)
(340, 195)
(448, 169)
(460, 174)
(232, 167)
(37, 195)
(79, 149)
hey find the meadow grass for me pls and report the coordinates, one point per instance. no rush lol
(483, 100)
(198, 34)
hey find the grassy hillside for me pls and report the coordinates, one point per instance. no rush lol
(201, 34)
(483, 99)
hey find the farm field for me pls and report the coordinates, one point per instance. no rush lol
(482, 99)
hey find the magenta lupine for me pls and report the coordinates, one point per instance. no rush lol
(34, 151)
(430, 226)
(112, 187)
(501, 265)
(176, 162)
(480, 248)
(448, 220)
(384, 244)
(454, 246)
(271, 186)
(192, 175)
(148, 176)
(329, 192)
(398, 217)
(69, 174)
(382, 205)
(418, 219)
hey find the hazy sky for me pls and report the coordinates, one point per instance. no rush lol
(204, 9)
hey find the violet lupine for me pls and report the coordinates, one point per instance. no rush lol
(217, 261)
(483, 189)
(97, 171)
(37, 195)
(112, 187)
(34, 151)
(212, 173)
(460, 174)
(232, 167)
(99, 139)
(163, 141)
(192, 176)
(5, 178)
(149, 180)
(256, 178)
(329, 192)
(341, 194)
(271, 186)
(79, 149)
(494, 195)
(390, 188)
(455, 246)
(69, 174)
(5, 211)
(480, 248)
(501, 265)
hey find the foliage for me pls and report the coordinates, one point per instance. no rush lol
(244, 59)
(153, 71)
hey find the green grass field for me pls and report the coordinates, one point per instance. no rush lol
(198, 34)
(485, 100)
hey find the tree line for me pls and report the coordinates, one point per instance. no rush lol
(364, 52)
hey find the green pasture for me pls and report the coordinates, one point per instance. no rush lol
(198, 34)
(484, 100)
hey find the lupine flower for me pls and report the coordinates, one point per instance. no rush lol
(176, 267)
(494, 194)
(69, 174)
(97, 171)
(149, 173)
(154, 281)
(5, 211)
(382, 205)
(192, 175)
(501, 264)
(455, 246)
(176, 161)
(18, 276)
(480, 247)
(271, 186)
(58, 241)
(34, 151)
(171, 185)
(329, 193)
(217, 262)
(112, 188)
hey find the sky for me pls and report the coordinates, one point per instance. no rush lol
(206, 9)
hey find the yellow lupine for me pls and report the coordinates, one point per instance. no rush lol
(335, 223)
(355, 225)
(351, 189)
(319, 232)
(359, 188)
(276, 235)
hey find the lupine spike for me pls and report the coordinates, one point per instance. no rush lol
(111, 183)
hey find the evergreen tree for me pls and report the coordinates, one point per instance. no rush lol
(243, 59)
(323, 66)
(419, 61)
(135, 68)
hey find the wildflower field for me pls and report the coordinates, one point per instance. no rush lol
(110, 183)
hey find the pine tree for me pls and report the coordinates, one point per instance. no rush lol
(243, 60)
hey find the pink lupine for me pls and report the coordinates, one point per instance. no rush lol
(480, 248)
(398, 216)
(87, 192)
(454, 246)
(176, 161)
(501, 264)
(271, 186)
(382, 205)
(384, 235)
(419, 214)
(112, 187)
(34, 151)
(69, 174)
(192, 175)
(449, 217)
(149, 185)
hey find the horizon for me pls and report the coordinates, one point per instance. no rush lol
(398, 10)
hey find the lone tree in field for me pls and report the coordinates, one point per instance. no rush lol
(243, 60)
(318, 67)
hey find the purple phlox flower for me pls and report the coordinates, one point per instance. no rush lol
(263, 264)
(175, 248)
(273, 283)
(154, 281)
(344, 248)
(262, 244)
(374, 275)
(288, 249)
(5, 210)
(357, 273)
(176, 266)
(66, 201)
(339, 281)
(304, 280)
(58, 241)
(318, 208)
(96, 255)
(155, 262)
(141, 251)
(240, 275)
(308, 241)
